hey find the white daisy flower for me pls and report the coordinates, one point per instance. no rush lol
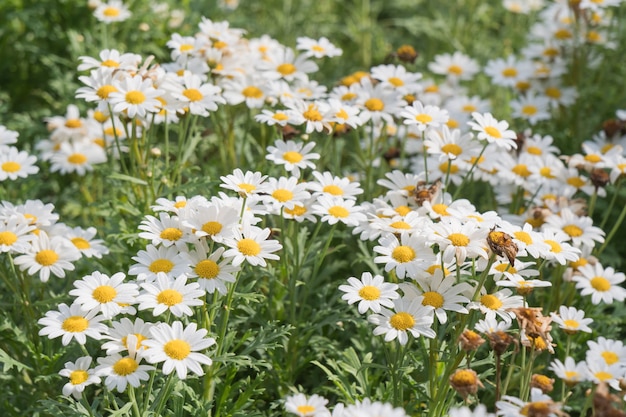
(493, 131)
(408, 316)
(293, 155)
(16, 164)
(98, 86)
(110, 59)
(284, 193)
(522, 270)
(441, 294)
(424, 117)
(211, 273)
(48, 256)
(579, 228)
(83, 240)
(166, 230)
(560, 251)
(319, 48)
(399, 181)
(490, 324)
(244, 183)
(336, 209)
(514, 407)
(300, 405)
(479, 411)
(528, 241)
(250, 89)
(450, 144)
(456, 66)
(72, 323)
(120, 331)
(603, 284)
(80, 376)
(531, 107)
(608, 351)
(569, 371)
(413, 222)
(172, 206)
(572, 320)
(396, 77)
(370, 292)
(103, 294)
(459, 240)
(15, 234)
(498, 304)
(121, 371)
(78, 157)
(112, 11)
(159, 259)
(371, 408)
(179, 348)
(250, 244)
(326, 183)
(282, 63)
(213, 220)
(378, 102)
(36, 212)
(199, 97)
(343, 114)
(598, 371)
(7, 137)
(509, 72)
(135, 96)
(407, 256)
(167, 294)
(272, 117)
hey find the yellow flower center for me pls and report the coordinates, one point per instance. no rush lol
(493, 132)
(403, 254)
(11, 166)
(546, 172)
(523, 237)
(78, 377)
(521, 170)
(577, 264)
(573, 230)
(571, 323)
(469, 108)
(464, 378)
(600, 284)
(402, 210)
(506, 268)
(509, 72)
(593, 158)
(248, 188)
(491, 301)
(610, 357)
(135, 97)
(455, 69)
(7, 238)
(534, 150)
(458, 239)
(571, 375)
(282, 195)
(140, 338)
(296, 211)
(338, 211)
(180, 204)
(46, 257)
(109, 63)
(73, 123)
(342, 114)
(111, 12)
(348, 97)
(169, 297)
(193, 94)
(603, 376)
(432, 298)
(125, 366)
(333, 189)
(75, 324)
(440, 209)
(529, 110)
(312, 113)
(452, 148)
(81, 243)
(185, 47)
(161, 265)
(280, 116)
(177, 349)
(292, 157)
(553, 92)
(305, 409)
(400, 225)
(104, 294)
(286, 69)
(77, 159)
(554, 246)
(424, 118)
(395, 81)
(374, 104)
(207, 269)
(104, 91)
(537, 408)
(252, 92)
(402, 321)
(249, 247)
(171, 233)
(212, 228)
(369, 293)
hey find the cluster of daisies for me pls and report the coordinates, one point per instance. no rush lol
(39, 244)
(14, 163)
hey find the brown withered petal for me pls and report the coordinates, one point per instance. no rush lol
(599, 177)
(470, 340)
(542, 382)
(502, 244)
(406, 53)
(465, 382)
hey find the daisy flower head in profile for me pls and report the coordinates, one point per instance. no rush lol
(407, 255)
(166, 294)
(15, 234)
(121, 371)
(370, 408)
(47, 256)
(560, 251)
(7, 136)
(104, 294)
(371, 292)
(455, 67)
(424, 116)
(245, 184)
(251, 244)
(409, 315)
(112, 11)
(569, 371)
(319, 48)
(272, 117)
(603, 284)
(397, 180)
(338, 210)
(479, 411)
(80, 375)
(300, 405)
(16, 164)
(110, 60)
(83, 240)
(179, 348)
(572, 320)
(493, 131)
(510, 71)
(135, 96)
(212, 220)
(397, 78)
(293, 155)
(71, 322)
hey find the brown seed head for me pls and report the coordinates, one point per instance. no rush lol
(465, 382)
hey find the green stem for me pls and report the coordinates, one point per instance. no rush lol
(614, 230)
(133, 400)
(468, 176)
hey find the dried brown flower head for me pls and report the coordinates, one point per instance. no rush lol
(465, 382)
(599, 177)
(502, 244)
(535, 328)
(406, 53)
(542, 382)
(604, 402)
(426, 192)
(470, 340)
